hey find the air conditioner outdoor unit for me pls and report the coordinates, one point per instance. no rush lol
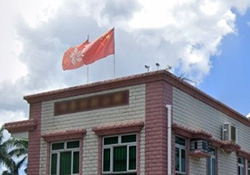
(229, 132)
(201, 145)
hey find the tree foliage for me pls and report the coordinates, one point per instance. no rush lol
(12, 149)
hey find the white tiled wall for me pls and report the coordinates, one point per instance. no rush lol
(134, 111)
(197, 166)
(192, 113)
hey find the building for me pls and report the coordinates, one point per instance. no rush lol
(147, 124)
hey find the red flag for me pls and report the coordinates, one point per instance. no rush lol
(72, 58)
(100, 48)
(89, 52)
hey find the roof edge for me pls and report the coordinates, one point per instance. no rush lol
(139, 79)
(101, 85)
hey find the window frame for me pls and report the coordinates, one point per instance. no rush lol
(181, 147)
(119, 144)
(241, 165)
(209, 161)
(65, 149)
(248, 167)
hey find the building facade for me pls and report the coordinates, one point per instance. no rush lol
(147, 124)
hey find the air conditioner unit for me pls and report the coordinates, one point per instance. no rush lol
(229, 132)
(201, 145)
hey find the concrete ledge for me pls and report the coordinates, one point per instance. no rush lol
(118, 128)
(64, 135)
(21, 126)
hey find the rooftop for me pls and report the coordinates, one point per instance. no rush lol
(135, 80)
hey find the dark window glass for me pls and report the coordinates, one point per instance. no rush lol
(120, 159)
(132, 157)
(213, 166)
(248, 167)
(211, 151)
(240, 160)
(123, 155)
(209, 166)
(180, 155)
(106, 160)
(76, 162)
(211, 161)
(74, 144)
(241, 166)
(183, 160)
(110, 140)
(122, 174)
(57, 146)
(195, 145)
(177, 158)
(180, 141)
(65, 163)
(53, 163)
(204, 145)
(128, 138)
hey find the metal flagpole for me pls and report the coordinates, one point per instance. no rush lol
(87, 74)
(114, 55)
(114, 65)
(87, 65)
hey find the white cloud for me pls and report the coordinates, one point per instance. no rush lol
(34, 34)
(11, 68)
(248, 115)
(9, 116)
(37, 12)
(34, 14)
(184, 34)
(195, 27)
(210, 7)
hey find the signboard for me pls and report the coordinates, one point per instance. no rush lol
(92, 103)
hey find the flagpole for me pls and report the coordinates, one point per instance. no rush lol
(87, 74)
(114, 54)
(87, 65)
(114, 65)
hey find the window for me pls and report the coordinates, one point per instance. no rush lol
(211, 162)
(241, 166)
(180, 156)
(64, 158)
(119, 155)
(248, 167)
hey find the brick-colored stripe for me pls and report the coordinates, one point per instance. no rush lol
(135, 80)
(158, 94)
(34, 140)
(20, 126)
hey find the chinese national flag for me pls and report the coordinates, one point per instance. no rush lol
(89, 52)
(72, 58)
(100, 48)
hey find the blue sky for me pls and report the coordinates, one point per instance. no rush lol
(229, 77)
(204, 40)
